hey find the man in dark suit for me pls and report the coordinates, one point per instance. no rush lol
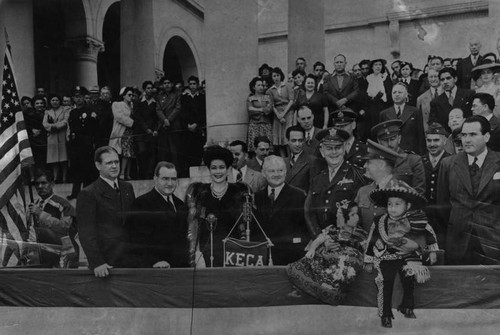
(483, 104)
(262, 146)
(100, 210)
(412, 129)
(341, 87)
(104, 118)
(465, 65)
(157, 226)
(305, 119)
(298, 163)
(468, 188)
(453, 97)
(280, 210)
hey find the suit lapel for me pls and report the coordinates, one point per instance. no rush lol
(105, 189)
(459, 97)
(462, 168)
(281, 200)
(298, 166)
(490, 166)
(407, 113)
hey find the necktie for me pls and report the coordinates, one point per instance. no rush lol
(474, 168)
(450, 99)
(171, 201)
(433, 93)
(117, 190)
(239, 176)
(308, 137)
(271, 197)
(398, 112)
(292, 160)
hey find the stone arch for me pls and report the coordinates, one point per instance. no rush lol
(178, 35)
(100, 14)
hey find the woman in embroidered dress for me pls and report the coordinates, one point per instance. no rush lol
(379, 91)
(282, 100)
(55, 122)
(259, 111)
(213, 207)
(334, 259)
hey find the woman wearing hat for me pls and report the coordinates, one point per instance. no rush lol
(213, 208)
(484, 74)
(395, 245)
(379, 91)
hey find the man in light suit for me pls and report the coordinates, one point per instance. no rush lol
(412, 129)
(100, 210)
(280, 210)
(262, 146)
(452, 97)
(341, 87)
(240, 172)
(298, 163)
(465, 65)
(468, 188)
(305, 119)
(157, 226)
(424, 100)
(483, 104)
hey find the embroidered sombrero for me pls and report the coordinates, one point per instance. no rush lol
(398, 189)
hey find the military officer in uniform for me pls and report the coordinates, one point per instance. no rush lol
(379, 166)
(408, 168)
(335, 185)
(82, 122)
(435, 137)
(345, 119)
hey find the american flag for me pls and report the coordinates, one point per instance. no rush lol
(15, 152)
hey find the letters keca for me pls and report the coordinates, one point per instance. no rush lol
(243, 259)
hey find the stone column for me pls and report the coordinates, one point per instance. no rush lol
(306, 32)
(231, 62)
(394, 36)
(494, 13)
(85, 50)
(17, 17)
(137, 46)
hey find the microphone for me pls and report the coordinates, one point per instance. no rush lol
(211, 220)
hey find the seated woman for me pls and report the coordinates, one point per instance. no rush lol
(333, 260)
(213, 210)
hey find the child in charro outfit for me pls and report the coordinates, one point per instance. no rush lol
(396, 243)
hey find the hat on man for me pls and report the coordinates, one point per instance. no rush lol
(94, 89)
(378, 151)
(436, 129)
(79, 90)
(332, 136)
(343, 116)
(386, 129)
(398, 189)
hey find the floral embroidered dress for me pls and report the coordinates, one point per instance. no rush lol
(335, 265)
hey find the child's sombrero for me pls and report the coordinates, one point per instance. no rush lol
(398, 189)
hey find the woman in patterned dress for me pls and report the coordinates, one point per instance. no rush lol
(282, 100)
(259, 111)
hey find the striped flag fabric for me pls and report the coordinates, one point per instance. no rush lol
(15, 152)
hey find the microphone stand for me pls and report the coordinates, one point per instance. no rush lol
(212, 220)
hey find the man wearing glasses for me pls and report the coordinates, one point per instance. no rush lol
(100, 213)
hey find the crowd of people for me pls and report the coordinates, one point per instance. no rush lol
(363, 169)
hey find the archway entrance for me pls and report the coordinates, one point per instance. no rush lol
(178, 60)
(108, 62)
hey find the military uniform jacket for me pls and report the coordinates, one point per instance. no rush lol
(80, 132)
(410, 169)
(431, 177)
(324, 196)
(356, 152)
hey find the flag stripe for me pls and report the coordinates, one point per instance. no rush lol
(17, 218)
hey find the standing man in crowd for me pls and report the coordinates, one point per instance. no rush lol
(280, 209)
(424, 100)
(104, 118)
(82, 122)
(168, 108)
(465, 65)
(452, 97)
(300, 64)
(412, 129)
(436, 63)
(340, 88)
(157, 226)
(408, 168)
(305, 119)
(101, 209)
(319, 73)
(240, 172)
(483, 104)
(262, 146)
(194, 120)
(455, 121)
(147, 131)
(298, 163)
(354, 149)
(468, 188)
(335, 185)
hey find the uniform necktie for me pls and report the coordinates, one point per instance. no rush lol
(239, 176)
(271, 197)
(398, 112)
(117, 190)
(474, 167)
(450, 99)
